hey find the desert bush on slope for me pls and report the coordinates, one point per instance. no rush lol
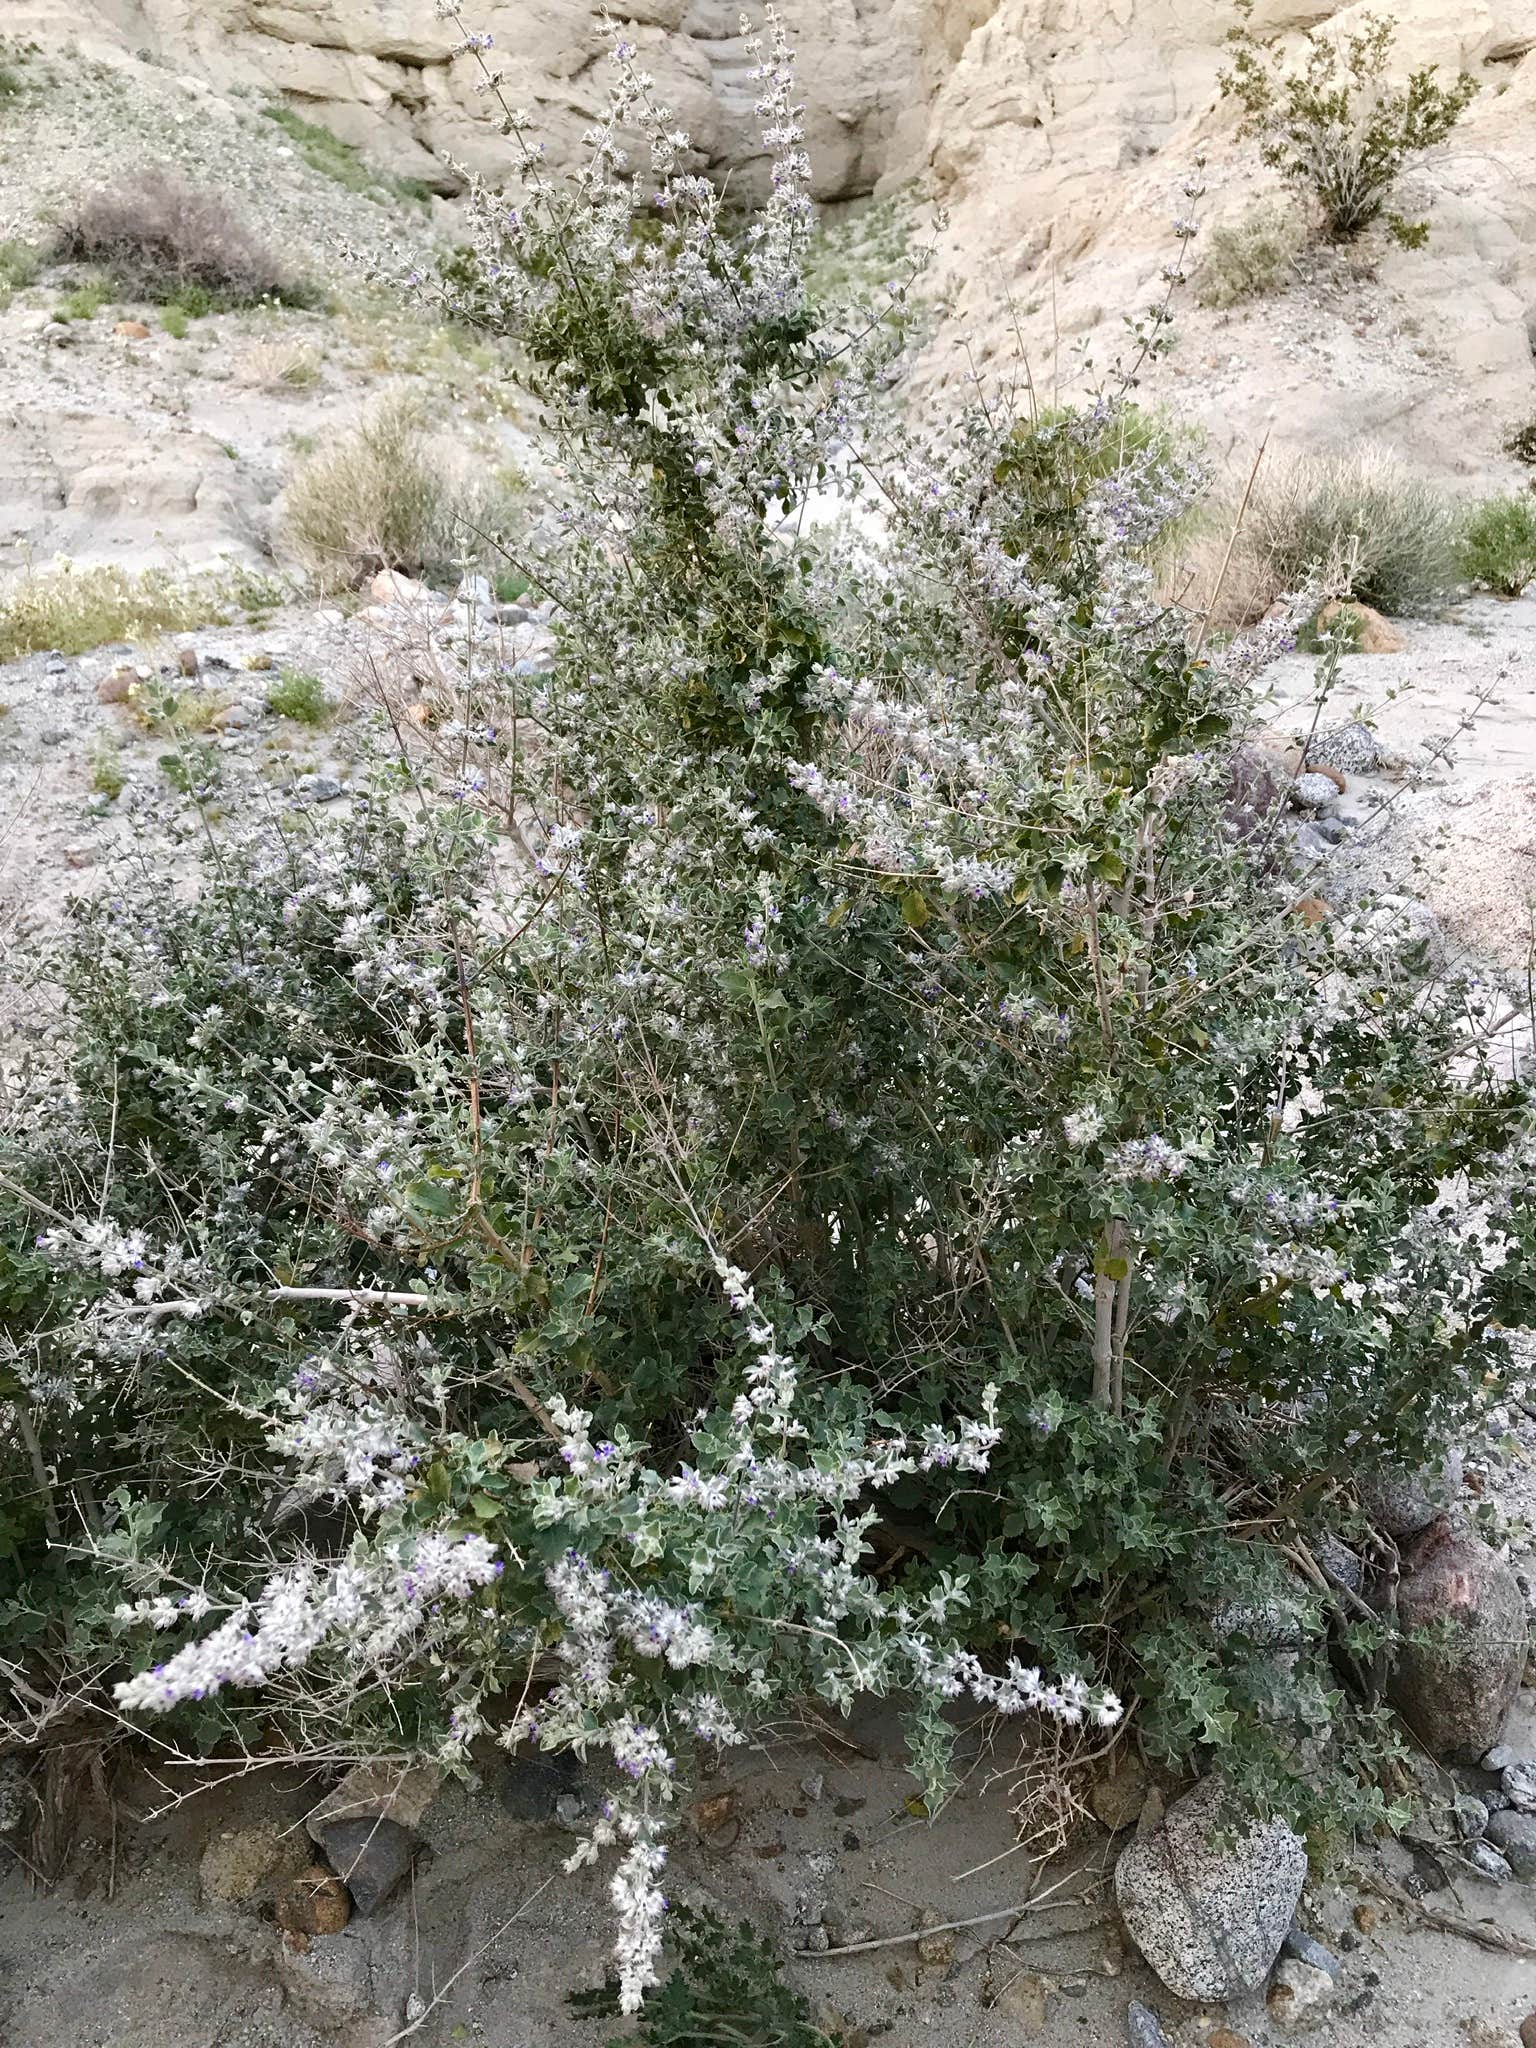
(165, 241)
(494, 1267)
(1336, 126)
(1498, 547)
(1399, 533)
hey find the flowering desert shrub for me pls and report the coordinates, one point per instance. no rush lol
(817, 1159)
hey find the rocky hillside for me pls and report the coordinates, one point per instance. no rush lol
(1055, 135)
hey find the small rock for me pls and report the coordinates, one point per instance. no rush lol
(814, 1786)
(56, 334)
(570, 1813)
(117, 687)
(1340, 1564)
(1494, 1798)
(511, 615)
(1119, 1795)
(1469, 1816)
(1365, 1918)
(186, 661)
(1026, 1998)
(1311, 790)
(815, 1941)
(1301, 1948)
(238, 1861)
(1352, 748)
(81, 855)
(401, 1793)
(390, 587)
(1487, 1861)
(1311, 845)
(55, 736)
(1298, 1996)
(1225, 2038)
(234, 718)
(131, 330)
(1517, 1781)
(1528, 2031)
(1456, 1692)
(1332, 831)
(370, 1856)
(476, 593)
(315, 1902)
(58, 666)
(1514, 1836)
(1371, 633)
(1143, 2029)
(317, 789)
(1209, 1913)
(1499, 1758)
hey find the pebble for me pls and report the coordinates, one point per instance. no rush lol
(318, 789)
(1143, 2029)
(1518, 1782)
(1528, 2031)
(1499, 1758)
(57, 666)
(1514, 1835)
(81, 855)
(1301, 1948)
(1311, 790)
(55, 736)
(131, 330)
(1487, 1862)
(1298, 1995)
(814, 1786)
(1495, 1799)
(314, 1903)
(370, 1856)
(1470, 1816)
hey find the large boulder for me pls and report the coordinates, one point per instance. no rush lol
(1455, 1691)
(1208, 1896)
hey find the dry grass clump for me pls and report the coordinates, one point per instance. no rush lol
(387, 495)
(1359, 505)
(70, 610)
(1252, 255)
(164, 241)
(280, 365)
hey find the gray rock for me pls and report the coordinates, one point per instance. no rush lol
(1310, 792)
(1518, 1784)
(1398, 1502)
(1207, 1912)
(318, 789)
(1340, 1564)
(1495, 1799)
(1143, 2029)
(1514, 1836)
(511, 615)
(56, 665)
(1311, 844)
(1469, 1816)
(1301, 1948)
(370, 1856)
(1333, 831)
(1488, 1862)
(1299, 1996)
(1455, 1690)
(1353, 749)
(1499, 1758)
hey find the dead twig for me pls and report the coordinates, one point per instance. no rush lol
(1483, 1932)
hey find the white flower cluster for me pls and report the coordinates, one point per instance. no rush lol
(368, 1609)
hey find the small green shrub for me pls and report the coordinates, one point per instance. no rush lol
(1522, 444)
(341, 161)
(1401, 531)
(20, 264)
(164, 241)
(385, 495)
(1498, 548)
(727, 1990)
(1408, 234)
(176, 321)
(1337, 126)
(299, 696)
(191, 770)
(1250, 256)
(74, 609)
(84, 301)
(107, 776)
(510, 586)
(12, 85)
